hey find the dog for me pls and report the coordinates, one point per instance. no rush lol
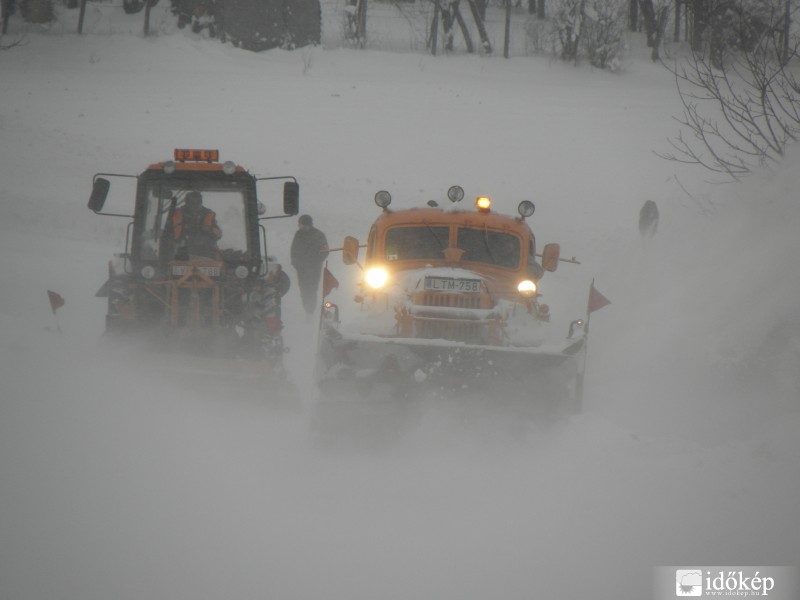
(648, 219)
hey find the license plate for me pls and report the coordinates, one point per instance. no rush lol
(184, 269)
(452, 284)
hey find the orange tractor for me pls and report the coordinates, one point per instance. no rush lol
(195, 270)
(451, 298)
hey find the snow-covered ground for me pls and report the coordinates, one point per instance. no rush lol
(120, 482)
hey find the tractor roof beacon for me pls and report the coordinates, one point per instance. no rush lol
(452, 298)
(197, 277)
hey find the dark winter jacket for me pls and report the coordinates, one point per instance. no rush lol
(648, 219)
(309, 249)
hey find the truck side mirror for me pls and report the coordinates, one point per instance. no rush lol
(100, 189)
(291, 198)
(350, 250)
(550, 257)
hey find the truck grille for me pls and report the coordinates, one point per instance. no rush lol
(451, 300)
(459, 325)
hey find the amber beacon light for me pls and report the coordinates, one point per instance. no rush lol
(193, 155)
(483, 203)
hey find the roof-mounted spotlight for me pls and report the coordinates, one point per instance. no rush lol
(383, 199)
(455, 193)
(483, 204)
(526, 208)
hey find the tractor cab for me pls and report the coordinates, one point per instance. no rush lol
(195, 250)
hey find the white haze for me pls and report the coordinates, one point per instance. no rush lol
(122, 479)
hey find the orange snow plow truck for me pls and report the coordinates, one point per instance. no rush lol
(452, 298)
(195, 271)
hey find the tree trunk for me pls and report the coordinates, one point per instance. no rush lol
(507, 41)
(464, 28)
(362, 24)
(434, 37)
(699, 23)
(676, 35)
(81, 16)
(6, 6)
(481, 4)
(485, 44)
(787, 31)
(448, 20)
(147, 6)
(650, 25)
(661, 26)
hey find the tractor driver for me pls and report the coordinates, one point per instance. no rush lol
(195, 227)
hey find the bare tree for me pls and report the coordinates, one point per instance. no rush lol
(355, 26)
(740, 116)
(568, 25)
(655, 16)
(593, 29)
(604, 33)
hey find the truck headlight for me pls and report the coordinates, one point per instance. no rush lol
(527, 288)
(376, 277)
(148, 272)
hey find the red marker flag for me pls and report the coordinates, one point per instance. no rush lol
(596, 300)
(329, 282)
(56, 301)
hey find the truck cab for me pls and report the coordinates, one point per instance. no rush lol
(453, 274)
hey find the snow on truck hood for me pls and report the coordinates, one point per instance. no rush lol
(378, 318)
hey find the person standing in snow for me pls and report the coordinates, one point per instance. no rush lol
(648, 219)
(309, 249)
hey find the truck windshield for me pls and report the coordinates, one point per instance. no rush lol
(168, 218)
(487, 246)
(409, 243)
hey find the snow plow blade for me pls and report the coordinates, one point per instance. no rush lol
(357, 364)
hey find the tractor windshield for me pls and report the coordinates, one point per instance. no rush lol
(491, 247)
(175, 216)
(410, 243)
